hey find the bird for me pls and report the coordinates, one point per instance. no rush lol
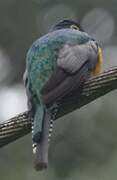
(57, 65)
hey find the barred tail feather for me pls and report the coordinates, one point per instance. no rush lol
(40, 149)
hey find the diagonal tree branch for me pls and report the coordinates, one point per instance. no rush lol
(95, 87)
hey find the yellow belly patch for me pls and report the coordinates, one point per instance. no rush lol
(98, 67)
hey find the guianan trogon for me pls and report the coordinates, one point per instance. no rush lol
(57, 64)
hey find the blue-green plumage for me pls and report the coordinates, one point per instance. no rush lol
(42, 60)
(49, 66)
(42, 56)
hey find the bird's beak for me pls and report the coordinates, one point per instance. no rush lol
(99, 62)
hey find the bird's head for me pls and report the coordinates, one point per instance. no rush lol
(67, 24)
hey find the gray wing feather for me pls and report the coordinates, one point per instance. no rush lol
(67, 85)
(72, 58)
(69, 75)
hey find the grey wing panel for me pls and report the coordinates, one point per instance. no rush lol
(72, 58)
(67, 85)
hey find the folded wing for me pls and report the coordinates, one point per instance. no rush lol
(74, 66)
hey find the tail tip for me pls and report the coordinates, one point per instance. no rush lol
(40, 166)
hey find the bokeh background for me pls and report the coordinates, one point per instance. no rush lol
(84, 143)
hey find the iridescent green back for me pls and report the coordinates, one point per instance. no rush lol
(42, 56)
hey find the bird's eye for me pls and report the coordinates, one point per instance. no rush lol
(74, 27)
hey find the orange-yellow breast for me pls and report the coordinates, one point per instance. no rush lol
(98, 67)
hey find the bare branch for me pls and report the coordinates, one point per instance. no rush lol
(95, 87)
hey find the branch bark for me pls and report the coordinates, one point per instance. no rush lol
(94, 88)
